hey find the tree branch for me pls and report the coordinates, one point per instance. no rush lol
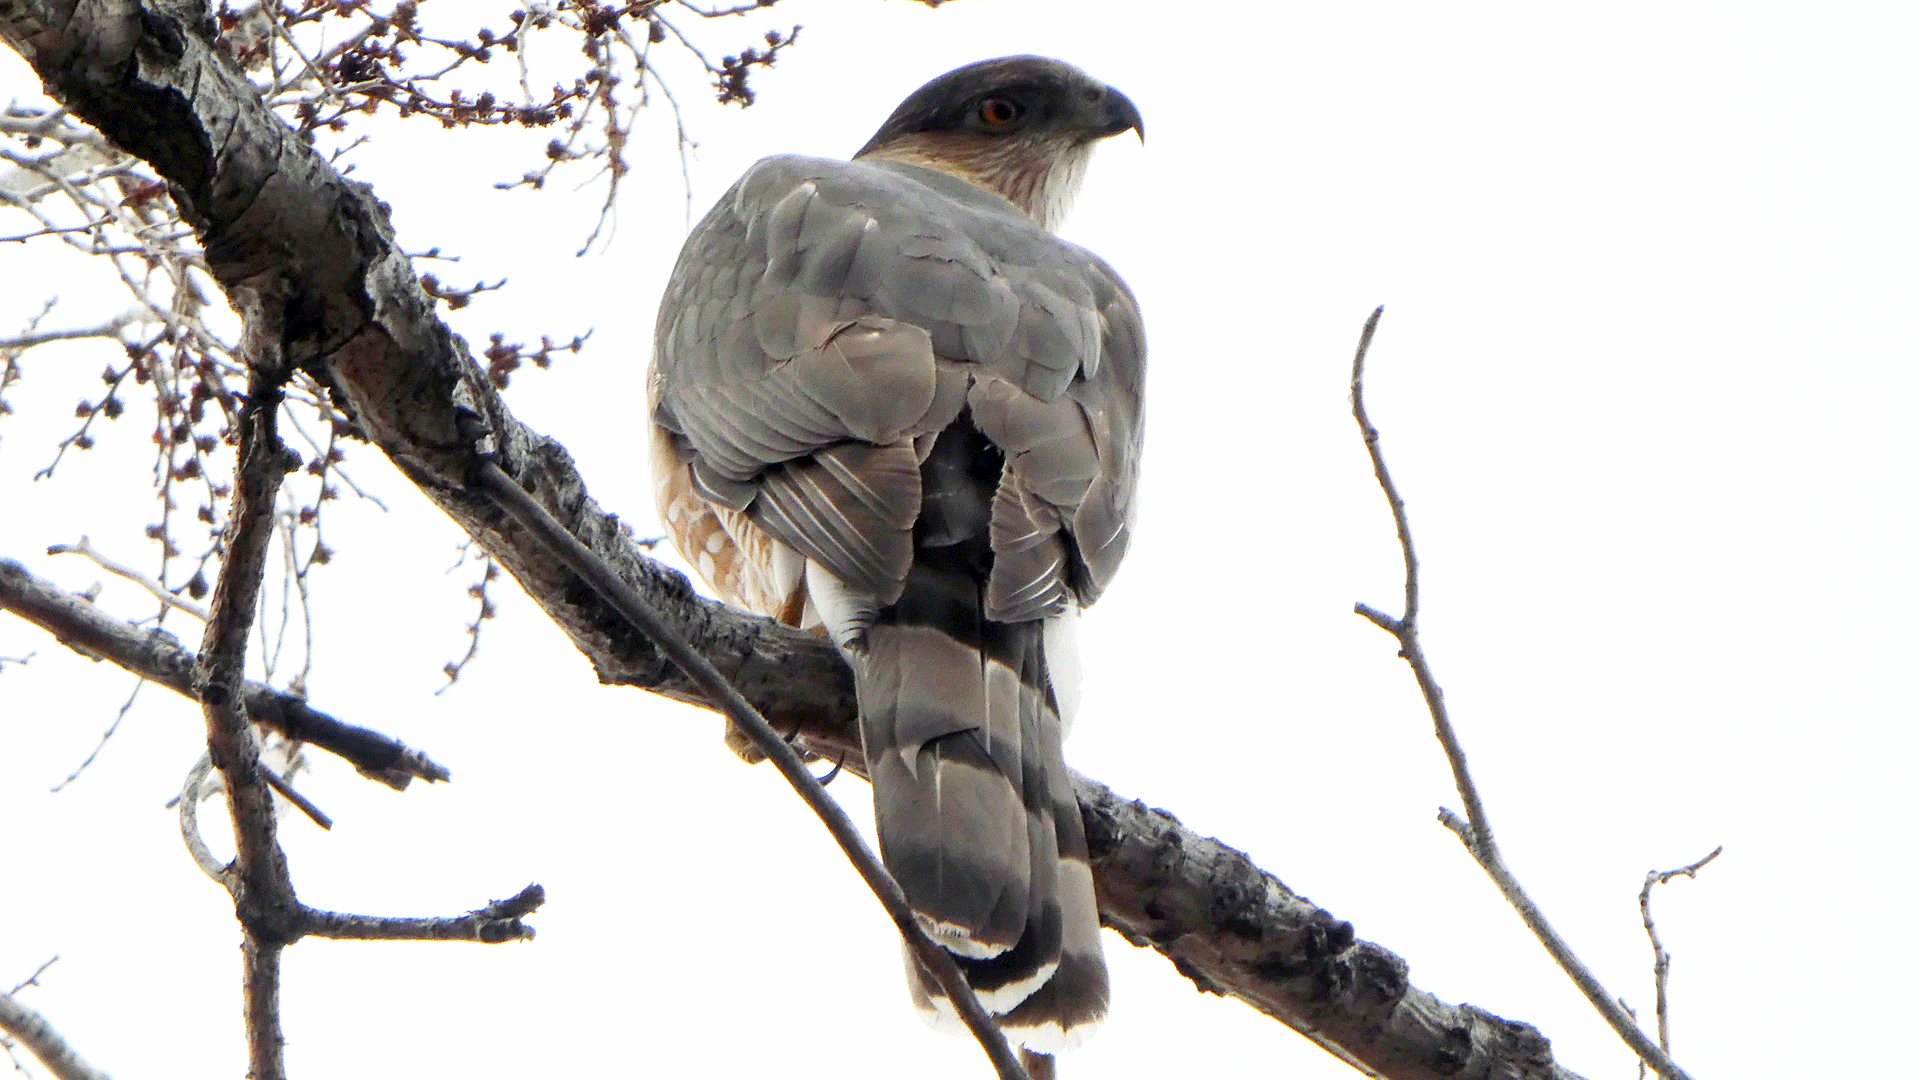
(1227, 925)
(1662, 958)
(37, 1035)
(259, 880)
(262, 199)
(158, 657)
(159, 592)
(1476, 832)
(498, 921)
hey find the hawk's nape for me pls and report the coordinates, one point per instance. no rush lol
(890, 404)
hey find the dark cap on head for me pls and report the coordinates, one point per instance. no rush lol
(1014, 95)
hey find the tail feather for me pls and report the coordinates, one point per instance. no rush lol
(977, 817)
(962, 726)
(1062, 1014)
(942, 735)
(1006, 980)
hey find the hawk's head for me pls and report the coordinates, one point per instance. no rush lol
(1020, 126)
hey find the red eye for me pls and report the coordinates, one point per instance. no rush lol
(999, 112)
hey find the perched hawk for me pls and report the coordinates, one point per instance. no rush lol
(888, 402)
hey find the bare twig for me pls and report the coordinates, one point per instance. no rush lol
(323, 451)
(34, 979)
(1661, 958)
(305, 805)
(191, 793)
(157, 657)
(498, 921)
(478, 590)
(108, 329)
(1476, 832)
(508, 495)
(161, 593)
(105, 736)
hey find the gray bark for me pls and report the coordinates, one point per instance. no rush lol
(285, 233)
(34, 1033)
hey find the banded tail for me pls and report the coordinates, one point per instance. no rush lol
(962, 727)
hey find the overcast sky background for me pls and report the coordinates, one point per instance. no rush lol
(1646, 378)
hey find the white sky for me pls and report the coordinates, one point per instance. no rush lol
(1645, 377)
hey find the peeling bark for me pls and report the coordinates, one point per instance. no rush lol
(277, 221)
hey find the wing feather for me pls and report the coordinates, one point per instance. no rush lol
(819, 304)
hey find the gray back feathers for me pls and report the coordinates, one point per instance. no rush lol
(823, 303)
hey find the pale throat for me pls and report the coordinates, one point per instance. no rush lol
(1040, 176)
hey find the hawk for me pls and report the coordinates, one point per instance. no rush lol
(890, 404)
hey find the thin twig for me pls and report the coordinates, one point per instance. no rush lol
(333, 467)
(108, 329)
(1475, 832)
(306, 805)
(478, 590)
(508, 495)
(85, 547)
(498, 921)
(290, 566)
(158, 658)
(521, 35)
(125, 707)
(189, 798)
(1662, 958)
(33, 979)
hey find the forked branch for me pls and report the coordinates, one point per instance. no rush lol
(1661, 958)
(158, 657)
(271, 915)
(1475, 832)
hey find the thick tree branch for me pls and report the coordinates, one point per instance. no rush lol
(1476, 832)
(262, 200)
(259, 880)
(158, 657)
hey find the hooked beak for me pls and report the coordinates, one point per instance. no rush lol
(1118, 114)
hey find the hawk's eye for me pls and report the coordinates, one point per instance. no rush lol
(999, 112)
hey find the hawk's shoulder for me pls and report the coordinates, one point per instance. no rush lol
(908, 243)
